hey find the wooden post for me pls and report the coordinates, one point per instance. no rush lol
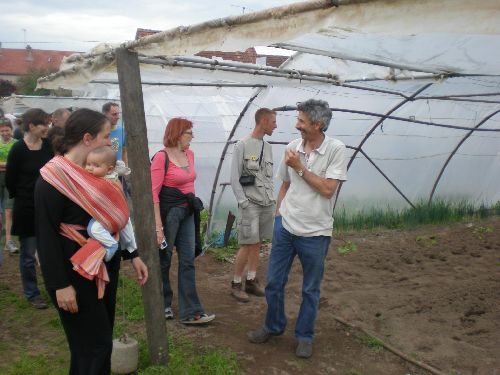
(229, 227)
(129, 77)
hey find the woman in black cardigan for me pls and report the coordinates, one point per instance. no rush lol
(25, 159)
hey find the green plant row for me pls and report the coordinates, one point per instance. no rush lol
(437, 212)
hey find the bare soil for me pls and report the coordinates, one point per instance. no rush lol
(431, 292)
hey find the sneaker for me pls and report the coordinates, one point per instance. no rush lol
(168, 313)
(199, 319)
(38, 303)
(253, 287)
(11, 247)
(304, 349)
(238, 293)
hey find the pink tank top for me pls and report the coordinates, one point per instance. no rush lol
(177, 177)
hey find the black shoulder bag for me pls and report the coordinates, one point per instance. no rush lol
(249, 180)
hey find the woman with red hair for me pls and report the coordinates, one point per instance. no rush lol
(172, 179)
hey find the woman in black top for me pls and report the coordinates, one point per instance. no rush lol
(25, 159)
(87, 320)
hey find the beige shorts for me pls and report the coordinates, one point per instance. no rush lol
(255, 223)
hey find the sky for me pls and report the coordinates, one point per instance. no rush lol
(80, 25)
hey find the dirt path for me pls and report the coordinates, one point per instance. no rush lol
(431, 292)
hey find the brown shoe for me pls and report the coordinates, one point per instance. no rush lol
(253, 287)
(238, 293)
(38, 303)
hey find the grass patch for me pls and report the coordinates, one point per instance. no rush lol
(372, 342)
(52, 355)
(347, 247)
(32, 365)
(223, 253)
(185, 359)
(438, 212)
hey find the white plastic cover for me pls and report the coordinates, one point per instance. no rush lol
(382, 53)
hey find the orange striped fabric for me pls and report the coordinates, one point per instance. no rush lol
(101, 199)
(88, 261)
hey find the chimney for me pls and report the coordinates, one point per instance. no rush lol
(29, 53)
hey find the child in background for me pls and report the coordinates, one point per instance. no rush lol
(101, 162)
(6, 143)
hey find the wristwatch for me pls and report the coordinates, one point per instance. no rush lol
(301, 173)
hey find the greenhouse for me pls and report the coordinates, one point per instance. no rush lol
(414, 88)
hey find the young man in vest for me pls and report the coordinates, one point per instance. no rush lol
(252, 183)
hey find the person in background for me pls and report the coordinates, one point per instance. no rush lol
(172, 178)
(59, 118)
(6, 143)
(253, 158)
(25, 159)
(118, 140)
(311, 170)
(17, 123)
(66, 198)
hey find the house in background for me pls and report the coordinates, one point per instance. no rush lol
(247, 56)
(18, 62)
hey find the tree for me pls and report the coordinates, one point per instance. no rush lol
(7, 88)
(26, 84)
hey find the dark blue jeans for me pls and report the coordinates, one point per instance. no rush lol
(179, 232)
(27, 266)
(311, 252)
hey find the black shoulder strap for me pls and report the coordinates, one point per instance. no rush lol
(166, 161)
(261, 153)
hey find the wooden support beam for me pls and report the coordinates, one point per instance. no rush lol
(134, 119)
(229, 226)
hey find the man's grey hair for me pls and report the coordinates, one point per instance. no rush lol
(60, 112)
(317, 111)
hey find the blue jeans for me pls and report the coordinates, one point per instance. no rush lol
(311, 252)
(27, 266)
(179, 232)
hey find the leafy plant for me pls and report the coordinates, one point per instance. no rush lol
(480, 232)
(427, 241)
(347, 247)
(7, 88)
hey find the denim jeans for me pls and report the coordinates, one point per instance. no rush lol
(27, 266)
(179, 232)
(311, 252)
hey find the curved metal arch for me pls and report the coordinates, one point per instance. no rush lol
(226, 146)
(388, 113)
(370, 132)
(455, 151)
(223, 155)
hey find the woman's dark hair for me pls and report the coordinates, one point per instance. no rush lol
(35, 116)
(79, 123)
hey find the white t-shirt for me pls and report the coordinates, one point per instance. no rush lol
(304, 211)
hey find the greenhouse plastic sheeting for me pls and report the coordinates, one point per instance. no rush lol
(414, 86)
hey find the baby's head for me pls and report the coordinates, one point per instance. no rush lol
(101, 161)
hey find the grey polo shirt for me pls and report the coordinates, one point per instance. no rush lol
(304, 211)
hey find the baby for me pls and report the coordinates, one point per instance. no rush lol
(101, 162)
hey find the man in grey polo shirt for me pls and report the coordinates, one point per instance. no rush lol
(311, 170)
(252, 183)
